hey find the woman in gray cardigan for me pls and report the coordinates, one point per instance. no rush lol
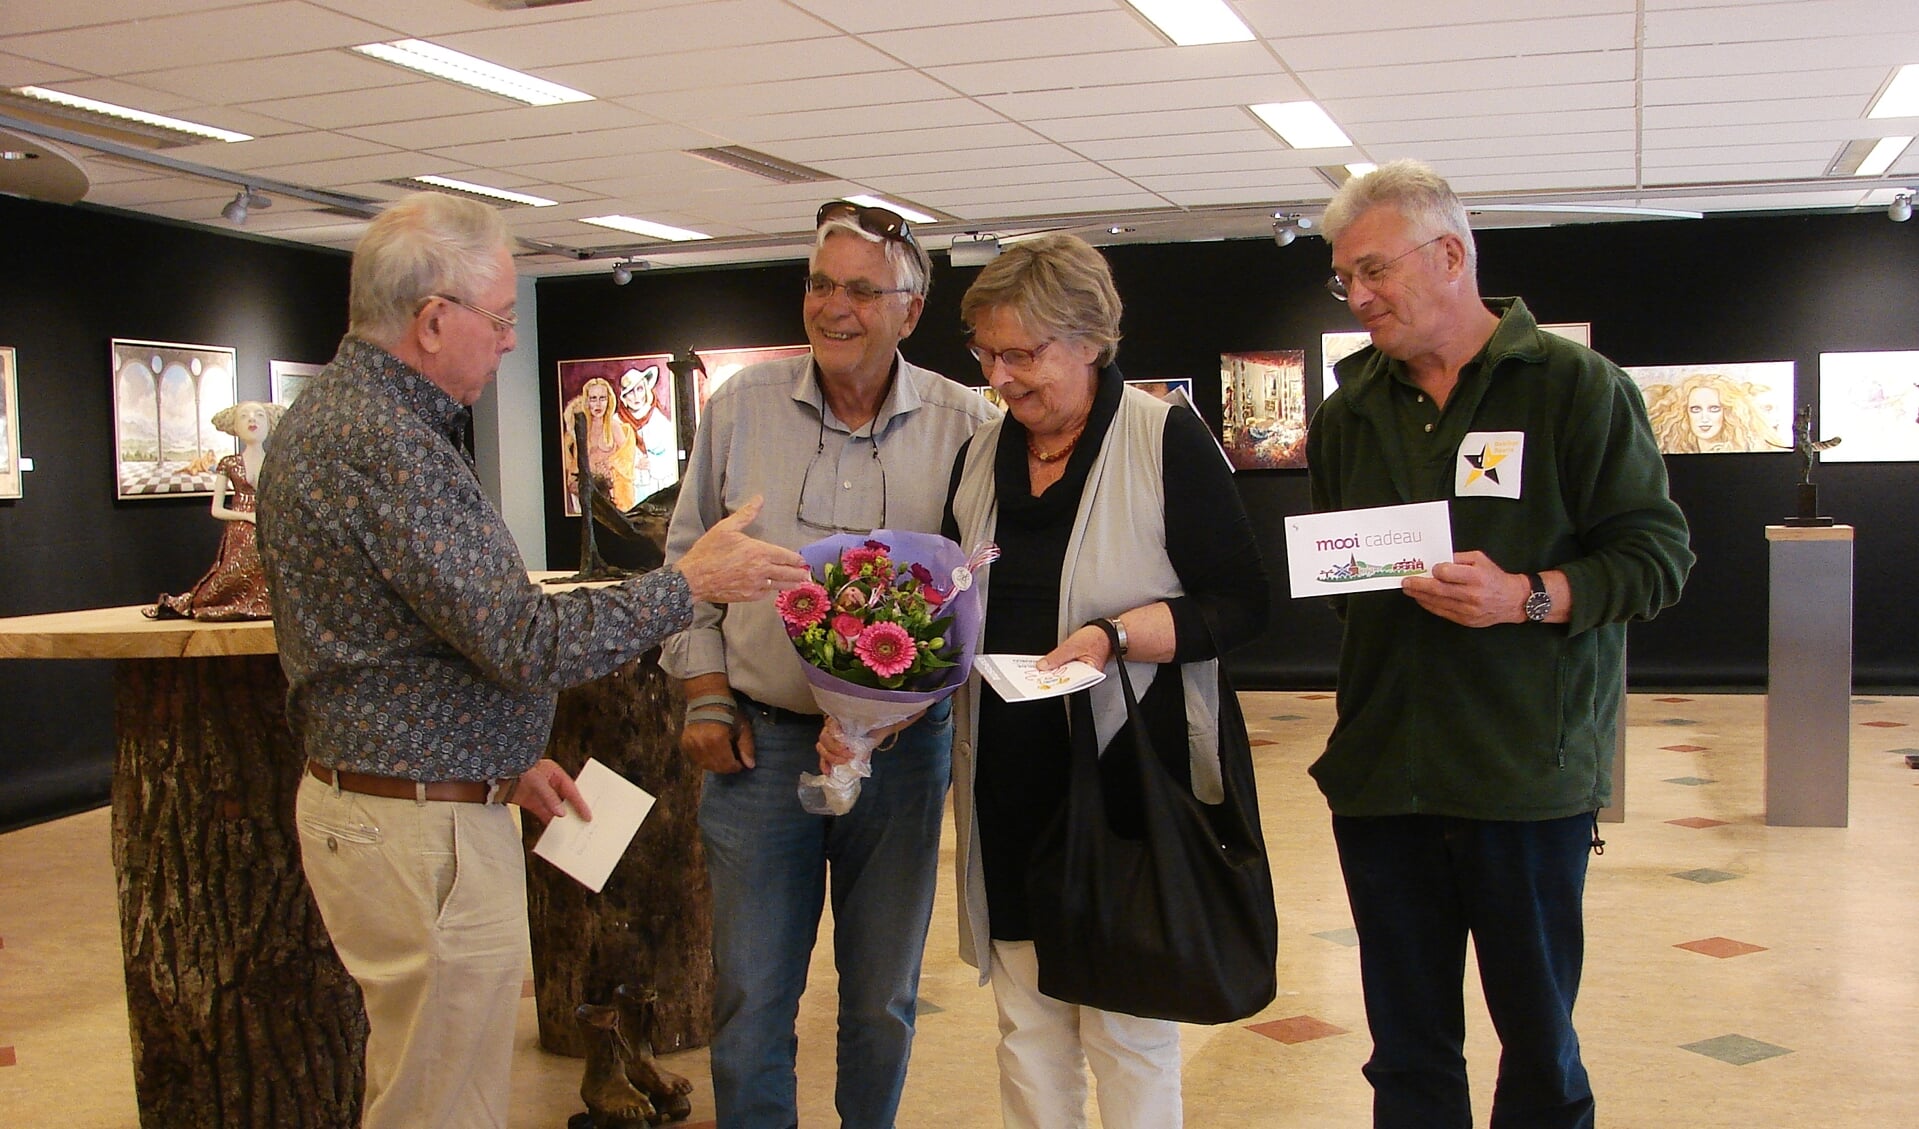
(1106, 504)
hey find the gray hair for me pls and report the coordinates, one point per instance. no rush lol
(912, 266)
(428, 243)
(1055, 284)
(1412, 189)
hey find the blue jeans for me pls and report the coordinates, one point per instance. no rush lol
(769, 861)
(1418, 884)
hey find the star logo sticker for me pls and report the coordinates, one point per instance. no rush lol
(1485, 464)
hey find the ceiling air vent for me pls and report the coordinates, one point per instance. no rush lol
(760, 164)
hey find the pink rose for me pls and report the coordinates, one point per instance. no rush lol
(846, 629)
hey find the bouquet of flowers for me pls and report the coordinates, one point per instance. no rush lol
(887, 629)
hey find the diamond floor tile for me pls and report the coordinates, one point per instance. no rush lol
(1684, 748)
(1721, 947)
(1297, 1029)
(1696, 822)
(1678, 722)
(1735, 1049)
(1672, 701)
(1347, 937)
(1706, 875)
(1688, 781)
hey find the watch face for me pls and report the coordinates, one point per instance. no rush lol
(1538, 606)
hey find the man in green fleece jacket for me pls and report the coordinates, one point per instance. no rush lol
(1478, 707)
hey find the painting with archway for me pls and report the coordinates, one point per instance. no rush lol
(164, 398)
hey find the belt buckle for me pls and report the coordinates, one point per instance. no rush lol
(500, 790)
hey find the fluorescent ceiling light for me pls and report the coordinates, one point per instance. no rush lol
(1303, 125)
(1189, 23)
(1360, 168)
(1883, 155)
(875, 202)
(108, 109)
(645, 227)
(438, 61)
(1901, 96)
(486, 190)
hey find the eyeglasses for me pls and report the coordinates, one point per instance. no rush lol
(799, 511)
(501, 322)
(1371, 274)
(883, 222)
(858, 291)
(1015, 360)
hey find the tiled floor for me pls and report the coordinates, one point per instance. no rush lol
(1737, 975)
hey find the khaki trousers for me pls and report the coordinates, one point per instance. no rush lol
(1046, 1046)
(426, 905)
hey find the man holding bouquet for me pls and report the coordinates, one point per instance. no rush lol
(846, 440)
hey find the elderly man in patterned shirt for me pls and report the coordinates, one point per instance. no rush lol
(423, 666)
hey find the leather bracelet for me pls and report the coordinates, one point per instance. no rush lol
(715, 716)
(722, 701)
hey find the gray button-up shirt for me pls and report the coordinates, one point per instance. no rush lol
(414, 644)
(768, 431)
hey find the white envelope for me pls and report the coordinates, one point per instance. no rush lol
(1342, 551)
(590, 850)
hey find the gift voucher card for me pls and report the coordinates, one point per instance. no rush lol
(1342, 551)
(1017, 678)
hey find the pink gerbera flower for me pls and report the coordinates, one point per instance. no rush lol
(886, 649)
(872, 553)
(802, 607)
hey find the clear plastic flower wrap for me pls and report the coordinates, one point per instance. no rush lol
(888, 628)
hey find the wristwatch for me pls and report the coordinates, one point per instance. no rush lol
(1119, 630)
(1539, 604)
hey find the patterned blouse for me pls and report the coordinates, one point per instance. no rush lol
(413, 642)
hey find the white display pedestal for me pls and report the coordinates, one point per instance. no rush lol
(1809, 676)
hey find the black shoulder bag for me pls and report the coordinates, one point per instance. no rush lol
(1178, 925)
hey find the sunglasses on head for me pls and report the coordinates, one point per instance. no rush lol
(883, 222)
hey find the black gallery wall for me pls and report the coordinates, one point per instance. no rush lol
(71, 279)
(1766, 288)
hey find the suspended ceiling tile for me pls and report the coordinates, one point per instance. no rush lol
(1176, 145)
(1473, 149)
(19, 17)
(1283, 19)
(827, 153)
(893, 164)
(1147, 124)
(248, 31)
(861, 16)
(1809, 157)
(1836, 198)
(640, 34)
(1751, 113)
(1525, 166)
(1154, 64)
(1859, 82)
(283, 149)
(1595, 179)
(1719, 172)
(1830, 134)
(915, 184)
(1886, 50)
(1691, 25)
(1480, 103)
(1514, 78)
(532, 153)
(1273, 156)
(283, 76)
(401, 102)
(759, 131)
(1139, 98)
(1461, 44)
(999, 205)
(880, 90)
(347, 170)
(1510, 127)
(694, 70)
(18, 71)
(1268, 180)
(429, 19)
(501, 125)
(1035, 38)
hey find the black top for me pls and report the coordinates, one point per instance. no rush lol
(1022, 755)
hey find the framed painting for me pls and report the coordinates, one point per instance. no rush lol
(1718, 409)
(1336, 347)
(287, 379)
(631, 436)
(1870, 401)
(719, 365)
(1169, 390)
(9, 425)
(1263, 409)
(164, 398)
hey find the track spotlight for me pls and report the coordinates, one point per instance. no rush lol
(1901, 208)
(972, 250)
(623, 270)
(244, 201)
(1287, 226)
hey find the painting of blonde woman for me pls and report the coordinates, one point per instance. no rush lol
(1716, 409)
(593, 389)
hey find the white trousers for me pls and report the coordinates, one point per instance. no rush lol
(1045, 1047)
(426, 905)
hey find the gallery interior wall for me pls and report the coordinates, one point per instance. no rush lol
(71, 279)
(1765, 288)
(1725, 290)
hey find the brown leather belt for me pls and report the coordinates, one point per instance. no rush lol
(400, 788)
